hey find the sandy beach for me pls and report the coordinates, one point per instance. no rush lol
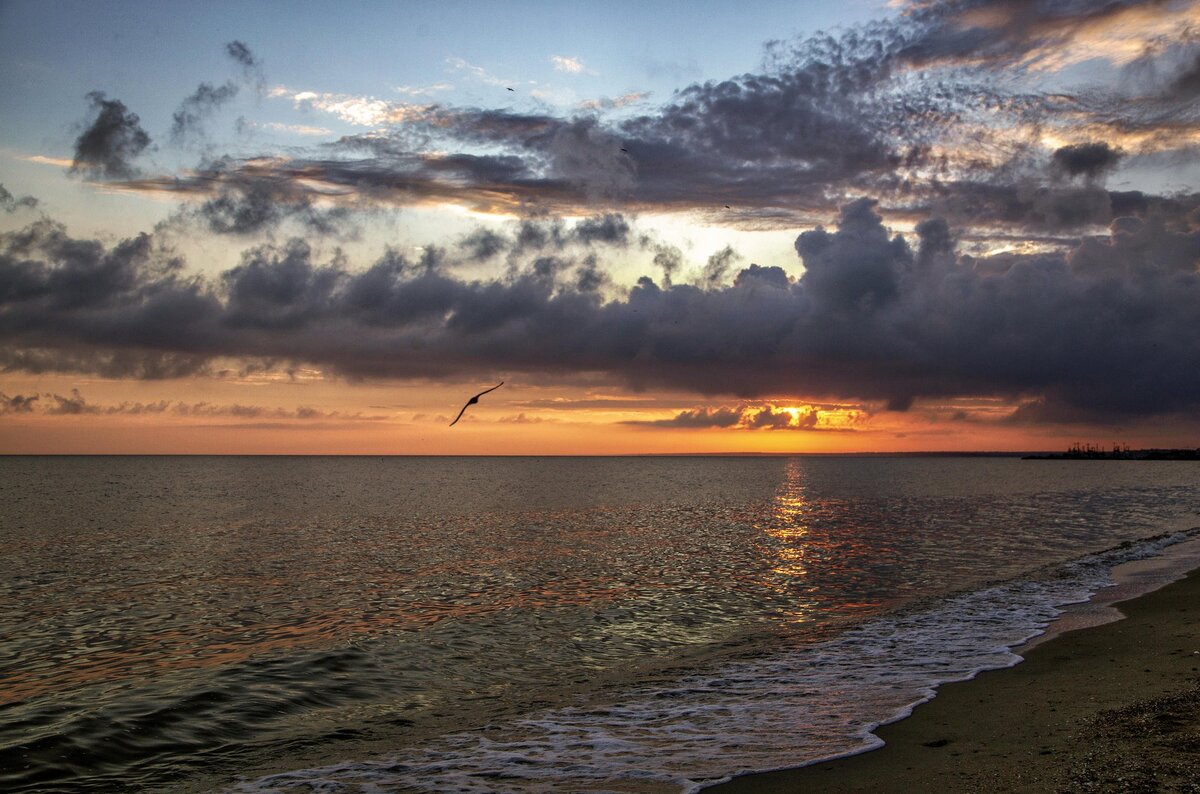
(1114, 707)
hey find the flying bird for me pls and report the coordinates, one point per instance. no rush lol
(513, 90)
(473, 401)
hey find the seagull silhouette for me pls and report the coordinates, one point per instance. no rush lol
(474, 400)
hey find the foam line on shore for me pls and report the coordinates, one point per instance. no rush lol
(1070, 682)
(675, 736)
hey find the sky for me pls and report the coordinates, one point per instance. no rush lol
(854, 226)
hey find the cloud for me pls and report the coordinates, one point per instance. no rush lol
(921, 112)
(477, 72)
(611, 228)
(1107, 327)
(615, 103)
(75, 404)
(201, 104)
(700, 417)
(718, 266)
(294, 129)
(238, 51)
(483, 244)
(17, 404)
(571, 165)
(1185, 84)
(522, 419)
(1090, 160)
(245, 199)
(426, 90)
(595, 403)
(252, 68)
(741, 417)
(249, 206)
(564, 63)
(949, 120)
(238, 411)
(859, 266)
(545, 234)
(1048, 35)
(110, 141)
(584, 154)
(10, 203)
(57, 162)
(772, 418)
(357, 110)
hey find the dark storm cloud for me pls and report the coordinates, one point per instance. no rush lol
(1086, 159)
(1108, 328)
(275, 289)
(199, 106)
(131, 293)
(111, 140)
(857, 267)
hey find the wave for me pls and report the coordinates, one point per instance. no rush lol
(780, 707)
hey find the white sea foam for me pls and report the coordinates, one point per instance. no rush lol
(784, 708)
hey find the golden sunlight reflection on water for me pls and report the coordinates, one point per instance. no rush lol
(789, 532)
(814, 544)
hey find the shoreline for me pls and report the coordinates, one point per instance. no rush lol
(1107, 700)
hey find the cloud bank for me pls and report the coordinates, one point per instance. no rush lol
(1108, 327)
(1031, 272)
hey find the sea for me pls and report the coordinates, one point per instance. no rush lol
(525, 624)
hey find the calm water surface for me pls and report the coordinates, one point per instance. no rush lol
(491, 624)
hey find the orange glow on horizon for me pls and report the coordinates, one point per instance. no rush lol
(310, 414)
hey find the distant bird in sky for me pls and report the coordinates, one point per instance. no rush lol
(474, 399)
(726, 206)
(624, 150)
(513, 90)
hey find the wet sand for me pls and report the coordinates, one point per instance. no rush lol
(1112, 708)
